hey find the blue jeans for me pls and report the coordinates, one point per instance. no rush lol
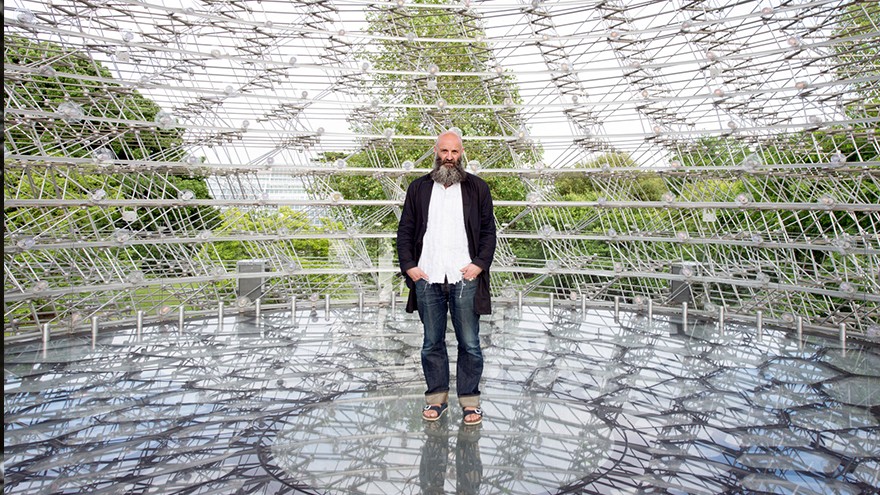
(435, 301)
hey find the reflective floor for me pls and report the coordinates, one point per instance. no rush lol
(574, 403)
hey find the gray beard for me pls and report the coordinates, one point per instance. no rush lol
(447, 175)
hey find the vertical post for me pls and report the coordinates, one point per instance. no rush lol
(360, 302)
(220, 315)
(140, 324)
(327, 307)
(257, 307)
(843, 336)
(293, 310)
(94, 331)
(393, 302)
(45, 337)
(519, 301)
(583, 307)
(799, 325)
(721, 320)
(616, 308)
(552, 300)
(650, 311)
(684, 316)
(180, 317)
(760, 324)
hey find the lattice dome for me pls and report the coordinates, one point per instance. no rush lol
(165, 155)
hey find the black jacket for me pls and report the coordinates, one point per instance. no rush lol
(479, 220)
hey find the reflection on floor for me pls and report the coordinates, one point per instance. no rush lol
(575, 403)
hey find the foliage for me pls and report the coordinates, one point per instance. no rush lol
(417, 55)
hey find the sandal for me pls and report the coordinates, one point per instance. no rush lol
(470, 412)
(438, 408)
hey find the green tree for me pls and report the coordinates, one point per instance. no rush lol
(437, 92)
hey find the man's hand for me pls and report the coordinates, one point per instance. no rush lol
(415, 273)
(471, 271)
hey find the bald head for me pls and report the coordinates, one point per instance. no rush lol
(449, 135)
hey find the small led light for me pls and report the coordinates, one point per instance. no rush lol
(341, 163)
(25, 243)
(433, 69)
(70, 112)
(441, 103)
(408, 165)
(718, 92)
(826, 200)
(668, 197)
(743, 199)
(25, 16)
(127, 36)
(165, 120)
(752, 161)
(291, 61)
(186, 195)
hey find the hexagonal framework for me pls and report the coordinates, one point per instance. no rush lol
(700, 152)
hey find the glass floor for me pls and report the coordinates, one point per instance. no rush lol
(318, 403)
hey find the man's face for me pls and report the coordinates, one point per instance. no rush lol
(448, 150)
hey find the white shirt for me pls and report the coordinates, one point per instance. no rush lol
(445, 246)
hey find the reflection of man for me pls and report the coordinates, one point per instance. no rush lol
(445, 244)
(435, 456)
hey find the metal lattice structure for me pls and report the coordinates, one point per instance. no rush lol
(719, 154)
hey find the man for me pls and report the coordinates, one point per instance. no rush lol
(445, 244)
